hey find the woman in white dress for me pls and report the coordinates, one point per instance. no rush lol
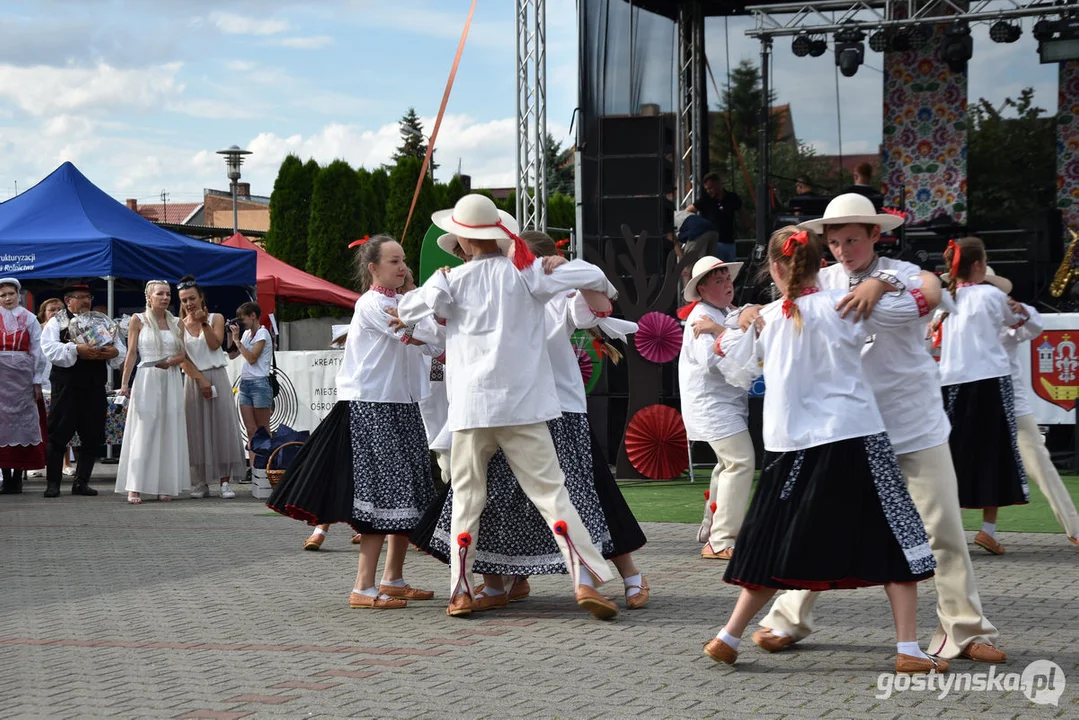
(154, 457)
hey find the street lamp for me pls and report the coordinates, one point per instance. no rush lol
(234, 158)
(409, 130)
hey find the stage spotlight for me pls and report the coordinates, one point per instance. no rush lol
(817, 47)
(958, 46)
(1004, 32)
(1058, 41)
(900, 42)
(849, 50)
(1044, 30)
(800, 46)
(878, 41)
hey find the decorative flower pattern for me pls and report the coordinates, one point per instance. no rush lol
(925, 133)
(1068, 143)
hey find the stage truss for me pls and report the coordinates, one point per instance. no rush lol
(531, 116)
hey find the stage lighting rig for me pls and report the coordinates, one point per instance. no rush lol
(1058, 40)
(1004, 32)
(800, 45)
(958, 47)
(817, 47)
(849, 50)
(878, 41)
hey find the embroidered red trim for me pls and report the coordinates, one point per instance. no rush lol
(718, 348)
(600, 314)
(923, 304)
(1019, 324)
(383, 291)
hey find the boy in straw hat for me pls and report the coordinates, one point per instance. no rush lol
(906, 384)
(500, 384)
(715, 411)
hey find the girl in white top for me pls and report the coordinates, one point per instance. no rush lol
(255, 395)
(715, 411)
(213, 435)
(831, 510)
(367, 462)
(975, 377)
(154, 457)
(1037, 462)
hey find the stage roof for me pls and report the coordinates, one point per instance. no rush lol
(712, 8)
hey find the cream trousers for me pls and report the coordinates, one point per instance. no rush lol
(931, 482)
(1040, 469)
(531, 455)
(732, 481)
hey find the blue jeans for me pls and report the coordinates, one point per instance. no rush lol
(726, 252)
(256, 392)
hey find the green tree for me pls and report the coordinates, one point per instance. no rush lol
(413, 143)
(735, 123)
(290, 210)
(379, 182)
(1011, 161)
(455, 190)
(336, 220)
(559, 168)
(561, 213)
(402, 186)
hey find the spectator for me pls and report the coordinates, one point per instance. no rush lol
(863, 177)
(78, 393)
(256, 346)
(48, 309)
(22, 432)
(719, 207)
(806, 201)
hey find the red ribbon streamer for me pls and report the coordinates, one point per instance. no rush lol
(791, 243)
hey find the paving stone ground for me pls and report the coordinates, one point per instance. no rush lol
(210, 609)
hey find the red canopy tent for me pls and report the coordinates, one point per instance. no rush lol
(277, 278)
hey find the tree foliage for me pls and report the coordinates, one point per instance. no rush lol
(402, 185)
(559, 168)
(741, 106)
(290, 211)
(413, 143)
(336, 220)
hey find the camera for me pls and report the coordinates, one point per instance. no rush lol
(235, 322)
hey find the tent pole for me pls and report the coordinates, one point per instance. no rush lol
(111, 284)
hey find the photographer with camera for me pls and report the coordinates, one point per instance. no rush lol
(256, 346)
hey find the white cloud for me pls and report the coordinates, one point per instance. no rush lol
(42, 91)
(240, 65)
(314, 42)
(233, 24)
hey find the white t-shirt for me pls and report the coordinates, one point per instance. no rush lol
(712, 408)
(261, 367)
(903, 375)
(817, 390)
(1011, 338)
(971, 348)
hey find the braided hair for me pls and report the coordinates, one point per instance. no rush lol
(799, 253)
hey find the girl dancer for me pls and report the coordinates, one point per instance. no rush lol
(154, 457)
(367, 463)
(22, 405)
(975, 376)
(213, 435)
(829, 471)
(513, 539)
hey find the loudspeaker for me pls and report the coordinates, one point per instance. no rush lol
(636, 135)
(654, 214)
(1049, 240)
(634, 176)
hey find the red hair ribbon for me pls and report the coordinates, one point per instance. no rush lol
(522, 256)
(597, 345)
(954, 247)
(361, 241)
(562, 243)
(685, 310)
(823, 263)
(788, 308)
(791, 243)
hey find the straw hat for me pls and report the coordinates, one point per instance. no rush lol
(1001, 283)
(852, 208)
(476, 218)
(701, 268)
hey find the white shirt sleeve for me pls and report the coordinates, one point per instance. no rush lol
(895, 310)
(1032, 328)
(434, 297)
(576, 274)
(433, 336)
(702, 350)
(373, 317)
(60, 354)
(117, 362)
(41, 365)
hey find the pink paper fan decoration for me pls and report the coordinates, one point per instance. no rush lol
(584, 361)
(658, 338)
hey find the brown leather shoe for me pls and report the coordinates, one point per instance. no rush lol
(770, 642)
(987, 541)
(359, 600)
(314, 542)
(983, 652)
(482, 601)
(460, 605)
(720, 651)
(1073, 541)
(640, 599)
(407, 592)
(357, 538)
(520, 589)
(593, 602)
(708, 553)
(910, 665)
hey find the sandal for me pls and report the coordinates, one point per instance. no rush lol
(134, 498)
(164, 498)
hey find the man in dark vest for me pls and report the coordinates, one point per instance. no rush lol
(78, 378)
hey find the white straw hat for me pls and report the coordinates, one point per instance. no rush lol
(476, 218)
(852, 208)
(701, 268)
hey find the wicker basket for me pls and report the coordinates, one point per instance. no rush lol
(274, 476)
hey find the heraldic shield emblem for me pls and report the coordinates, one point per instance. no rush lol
(1054, 367)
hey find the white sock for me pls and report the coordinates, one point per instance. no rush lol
(731, 640)
(399, 582)
(633, 580)
(369, 592)
(490, 591)
(779, 633)
(319, 531)
(586, 578)
(910, 648)
(989, 529)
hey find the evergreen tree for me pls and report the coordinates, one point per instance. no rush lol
(336, 220)
(455, 190)
(379, 182)
(559, 168)
(741, 105)
(413, 143)
(290, 210)
(402, 185)
(561, 213)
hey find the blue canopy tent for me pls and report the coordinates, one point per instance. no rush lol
(65, 226)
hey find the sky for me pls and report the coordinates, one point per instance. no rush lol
(139, 95)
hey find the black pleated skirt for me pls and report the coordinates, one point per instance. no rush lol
(831, 517)
(983, 444)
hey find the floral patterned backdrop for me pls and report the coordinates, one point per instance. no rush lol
(924, 155)
(1068, 143)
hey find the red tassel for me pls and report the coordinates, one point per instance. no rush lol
(522, 256)
(712, 507)
(560, 528)
(685, 310)
(464, 539)
(707, 494)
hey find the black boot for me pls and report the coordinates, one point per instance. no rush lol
(82, 487)
(12, 482)
(52, 491)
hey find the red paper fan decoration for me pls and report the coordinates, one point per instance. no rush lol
(658, 338)
(584, 361)
(656, 443)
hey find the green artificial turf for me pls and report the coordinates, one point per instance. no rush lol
(683, 502)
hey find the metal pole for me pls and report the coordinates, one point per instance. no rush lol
(763, 146)
(235, 218)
